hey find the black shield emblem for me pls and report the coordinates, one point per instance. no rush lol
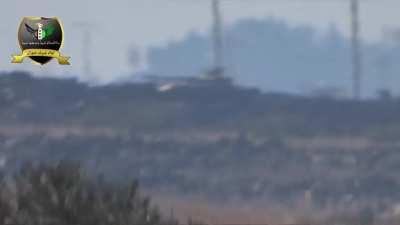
(40, 33)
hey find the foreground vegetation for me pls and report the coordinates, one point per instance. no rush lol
(61, 194)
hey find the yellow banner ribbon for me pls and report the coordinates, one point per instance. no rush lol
(62, 60)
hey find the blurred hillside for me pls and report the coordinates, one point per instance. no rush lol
(223, 142)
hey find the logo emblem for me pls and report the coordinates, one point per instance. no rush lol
(40, 39)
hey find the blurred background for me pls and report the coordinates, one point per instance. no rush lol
(260, 38)
(225, 111)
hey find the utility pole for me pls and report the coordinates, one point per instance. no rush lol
(87, 41)
(217, 40)
(356, 49)
(87, 50)
(135, 58)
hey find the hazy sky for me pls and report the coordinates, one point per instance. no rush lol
(119, 24)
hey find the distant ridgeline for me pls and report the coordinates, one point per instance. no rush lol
(143, 107)
(273, 146)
